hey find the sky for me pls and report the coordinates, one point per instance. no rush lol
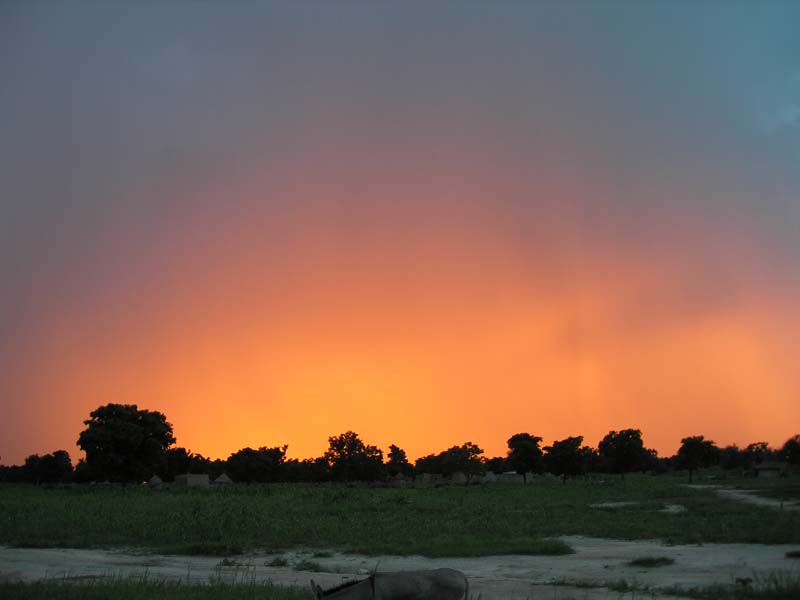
(429, 223)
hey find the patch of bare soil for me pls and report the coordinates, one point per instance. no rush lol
(576, 576)
(751, 497)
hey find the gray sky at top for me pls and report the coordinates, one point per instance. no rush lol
(113, 113)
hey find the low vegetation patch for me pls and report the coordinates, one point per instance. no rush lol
(136, 589)
(278, 561)
(652, 561)
(793, 554)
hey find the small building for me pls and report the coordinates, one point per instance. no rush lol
(458, 477)
(192, 480)
(222, 480)
(155, 482)
(399, 480)
(769, 469)
(510, 477)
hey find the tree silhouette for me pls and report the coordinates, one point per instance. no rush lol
(55, 467)
(697, 452)
(349, 459)
(262, 465)
(123, 443)
(180, 460)
(465, 458)
(497, 464)
(398, 463)
(567, 457)
(756, 453)
(790, 452)
(623, 451)
(524, 454)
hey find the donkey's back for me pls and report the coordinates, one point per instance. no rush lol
(436, 584)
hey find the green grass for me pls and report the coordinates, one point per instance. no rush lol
(652, 561)
(136, 589)
(776, 586)
(447, 521)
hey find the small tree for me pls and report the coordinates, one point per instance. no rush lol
(497, 464)
(756, 453)
(124, 443)
(623, 451)
(790, 452)
(465, 458)
(524, 454)
(697, 452)
(398, 463)
(350, 459)
(180, 460)
(731, 457)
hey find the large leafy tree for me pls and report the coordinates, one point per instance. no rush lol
(697, 452)
(350, 459)
(623, 451)
(524, 454)
(124, 443)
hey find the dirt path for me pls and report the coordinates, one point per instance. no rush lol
(751, 497)
(595, 561)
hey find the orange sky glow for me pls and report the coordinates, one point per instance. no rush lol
(429, 224)
(423, 331)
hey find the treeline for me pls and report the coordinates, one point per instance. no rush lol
(125, 444)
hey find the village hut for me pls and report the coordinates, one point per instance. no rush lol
(458, 477)
(769, 469)
(222, 480)
(192, 480)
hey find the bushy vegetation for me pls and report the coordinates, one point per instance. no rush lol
(441, 521)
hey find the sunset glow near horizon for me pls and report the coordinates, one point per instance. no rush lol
(427, 224)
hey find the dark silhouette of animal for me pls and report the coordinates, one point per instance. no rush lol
(436, 584)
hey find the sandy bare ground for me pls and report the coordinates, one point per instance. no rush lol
(751, 497)
(595, 561)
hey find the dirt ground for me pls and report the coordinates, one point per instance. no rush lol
(595, 561)
(751, 497)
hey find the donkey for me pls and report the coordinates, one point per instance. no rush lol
(437, 584)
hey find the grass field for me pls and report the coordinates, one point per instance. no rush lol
(136, 589)
(447, 521)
